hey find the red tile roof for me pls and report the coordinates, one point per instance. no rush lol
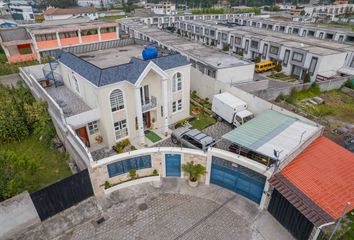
(69, 11)
(324, 172)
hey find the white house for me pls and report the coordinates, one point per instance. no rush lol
(117, 95)
(164, 8)
(69, 13)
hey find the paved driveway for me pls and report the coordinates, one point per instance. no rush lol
(172, 211)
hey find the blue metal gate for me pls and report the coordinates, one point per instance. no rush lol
(173, 165)
(239, 179)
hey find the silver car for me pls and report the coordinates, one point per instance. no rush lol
(192, 138)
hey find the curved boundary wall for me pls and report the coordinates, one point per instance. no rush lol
(100, 174)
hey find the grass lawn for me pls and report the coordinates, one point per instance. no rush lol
(282, 76)
(153, 137)
(112, 17)
(52, 166)
(202, 120)
(338, 105)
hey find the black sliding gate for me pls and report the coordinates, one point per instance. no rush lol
(62, 195)
(291, 218)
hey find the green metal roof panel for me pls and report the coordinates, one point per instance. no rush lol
(259, 130)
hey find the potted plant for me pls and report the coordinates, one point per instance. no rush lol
(153, 120)
(99, 139)
(195, 171)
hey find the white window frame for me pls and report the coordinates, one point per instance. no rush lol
(177, 106)
(120, 129)
(116, 100)
(93, 127)
(177, 82)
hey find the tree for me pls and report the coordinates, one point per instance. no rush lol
(12, 169)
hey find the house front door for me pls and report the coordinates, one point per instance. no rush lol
(147, 120)
(82, 133)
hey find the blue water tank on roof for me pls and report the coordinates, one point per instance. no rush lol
(149, 53)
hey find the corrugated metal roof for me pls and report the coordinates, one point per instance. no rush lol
(324, 172)
(271, 131)
(125, 72)
(16, 34)
(259, 130)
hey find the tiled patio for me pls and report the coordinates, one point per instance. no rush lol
(67, 100)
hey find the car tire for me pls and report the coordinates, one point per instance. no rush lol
(174, 140)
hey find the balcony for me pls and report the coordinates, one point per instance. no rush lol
(47, 44)
(69, 41)
(108, 36)
(148, 106)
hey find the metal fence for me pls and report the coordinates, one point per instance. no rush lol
(89, 47)
(62, 195)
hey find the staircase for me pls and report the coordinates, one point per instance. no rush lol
(50, 73)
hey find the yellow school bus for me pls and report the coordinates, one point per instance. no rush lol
(264, 66)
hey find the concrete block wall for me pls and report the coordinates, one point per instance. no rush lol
(17, 214)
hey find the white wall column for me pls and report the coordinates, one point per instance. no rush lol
(139, 115)
(117, 32)
(165, 105)
(79, 34)
(99, 34)
(58, 39)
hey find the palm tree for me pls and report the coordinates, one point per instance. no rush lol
(195, 171)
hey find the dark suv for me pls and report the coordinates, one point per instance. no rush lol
(192, 138)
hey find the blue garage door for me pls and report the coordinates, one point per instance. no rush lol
(237, 178)
(173, 165)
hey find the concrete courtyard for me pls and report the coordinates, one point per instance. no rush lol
(170, 211)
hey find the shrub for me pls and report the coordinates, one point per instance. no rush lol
(195, 171)
(226, 47)
(307, 78)
(194, 94)
(349, 84)
(278, 68)
(132, 173)
(181, 122)
(155, 172)
(13, 169)
(257, 59)
(120, 146)
(107, 185)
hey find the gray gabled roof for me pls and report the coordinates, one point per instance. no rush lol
(125, 72)
(15, 34)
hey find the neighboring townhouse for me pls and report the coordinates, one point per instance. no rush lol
(305, 30)
(18, 45)
(46, 38)
(116, 95)
(168, 21)
(298, 56)
(212, 71)
(70, 13)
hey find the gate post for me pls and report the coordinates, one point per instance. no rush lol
(208, 167)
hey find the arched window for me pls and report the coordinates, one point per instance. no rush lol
(117, 100)
(177, 82)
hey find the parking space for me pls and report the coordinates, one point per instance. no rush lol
(216, 131)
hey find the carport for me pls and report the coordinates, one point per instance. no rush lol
(257, 140)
